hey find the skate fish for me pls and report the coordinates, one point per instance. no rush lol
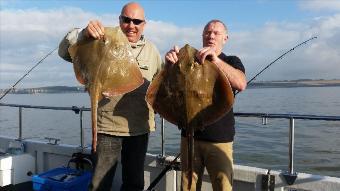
(106, 67)
(190, 95)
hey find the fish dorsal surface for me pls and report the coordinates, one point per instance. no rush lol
(106, 67)
(190, 93)
(108, 62)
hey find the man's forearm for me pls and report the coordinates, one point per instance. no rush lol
(71, 38)
(236, 77)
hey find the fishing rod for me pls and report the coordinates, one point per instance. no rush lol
(40, 61)
(278, 58)
(164, 171)
(169, 166)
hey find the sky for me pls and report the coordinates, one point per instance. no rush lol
(259, 32)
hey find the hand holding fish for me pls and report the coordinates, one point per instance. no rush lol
(207, 53)
(171, 56)
(95, 29)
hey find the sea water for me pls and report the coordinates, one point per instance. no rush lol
(317, 143)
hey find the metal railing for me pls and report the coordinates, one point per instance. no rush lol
(75, 109)
(290, 175)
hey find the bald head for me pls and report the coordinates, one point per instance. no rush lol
(134, 10)
(132, 21)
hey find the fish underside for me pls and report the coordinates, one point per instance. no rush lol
(106, 67)
(190, 95)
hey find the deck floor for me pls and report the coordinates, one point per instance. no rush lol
(26, 186)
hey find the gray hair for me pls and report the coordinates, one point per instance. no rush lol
(216, 21)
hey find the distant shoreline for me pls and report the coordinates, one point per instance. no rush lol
(48, 89)
(261, 84)
(295, 84)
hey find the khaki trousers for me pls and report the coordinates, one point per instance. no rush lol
(218, 160)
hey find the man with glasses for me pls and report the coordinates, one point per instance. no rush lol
(213, 146)
(125, 121)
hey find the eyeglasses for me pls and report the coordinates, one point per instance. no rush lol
(216, 33)
(127, 20)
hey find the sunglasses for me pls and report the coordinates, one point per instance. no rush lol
(127, 20)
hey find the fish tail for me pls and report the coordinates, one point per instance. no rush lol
(94, 106)
(190, 157)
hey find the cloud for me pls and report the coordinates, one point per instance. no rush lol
(320, 5)
(316, 59)
(28, 35)
(166, 35)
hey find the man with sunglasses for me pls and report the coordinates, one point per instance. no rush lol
(124, 122)
(213, 146)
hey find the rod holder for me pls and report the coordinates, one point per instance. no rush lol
(163, 137)
(20, 124)
(82, 134)
(291, 176)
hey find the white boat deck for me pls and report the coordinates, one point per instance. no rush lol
(44, 156)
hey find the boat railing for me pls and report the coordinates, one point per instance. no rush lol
(77, 110)
(290, 175)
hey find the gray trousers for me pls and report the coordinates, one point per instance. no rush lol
(133, 151)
